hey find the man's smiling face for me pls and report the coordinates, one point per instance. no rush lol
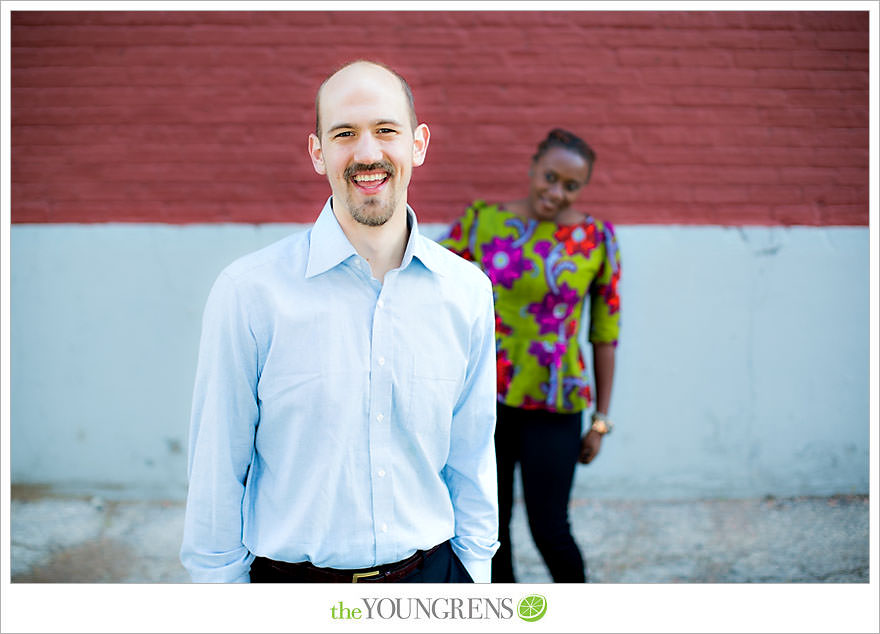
(368, 146)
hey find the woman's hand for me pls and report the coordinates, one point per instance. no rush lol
(590, 444)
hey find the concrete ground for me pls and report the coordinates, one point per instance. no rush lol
(813, 540)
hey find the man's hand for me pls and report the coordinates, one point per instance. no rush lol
(590, 444)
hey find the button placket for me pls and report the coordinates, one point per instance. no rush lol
(380, 426)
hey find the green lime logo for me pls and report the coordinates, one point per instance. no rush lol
(532, 608)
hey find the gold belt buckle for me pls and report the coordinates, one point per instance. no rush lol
(360, 575)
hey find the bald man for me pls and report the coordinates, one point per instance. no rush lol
(344, 405)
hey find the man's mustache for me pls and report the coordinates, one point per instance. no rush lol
(354, 168)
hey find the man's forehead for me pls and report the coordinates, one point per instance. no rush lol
(352, 82)
(360, 69)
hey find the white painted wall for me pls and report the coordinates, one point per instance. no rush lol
(742, 368)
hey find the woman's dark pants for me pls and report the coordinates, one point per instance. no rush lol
(546, 445)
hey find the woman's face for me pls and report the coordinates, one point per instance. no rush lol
(556, 179)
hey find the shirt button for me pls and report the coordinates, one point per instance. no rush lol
(380, 304)
(381, 360)
(381, 473)
(384, 528)
(380, 417)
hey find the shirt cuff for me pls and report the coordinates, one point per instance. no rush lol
(202, 575)
(480, 570)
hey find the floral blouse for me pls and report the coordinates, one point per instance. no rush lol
(542, 275)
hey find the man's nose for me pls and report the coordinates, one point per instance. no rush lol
(368, 149)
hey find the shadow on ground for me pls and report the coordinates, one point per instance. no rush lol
(793, 540)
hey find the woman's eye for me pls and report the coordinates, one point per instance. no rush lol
(572, 187)
(551, 177)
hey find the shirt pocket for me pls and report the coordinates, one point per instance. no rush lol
(434, 391)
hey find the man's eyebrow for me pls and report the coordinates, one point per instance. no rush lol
(351, 126)
(340, 126)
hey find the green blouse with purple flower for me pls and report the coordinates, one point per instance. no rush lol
(543, 275)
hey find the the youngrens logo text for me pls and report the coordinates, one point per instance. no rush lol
(440, 608)
(530, 608)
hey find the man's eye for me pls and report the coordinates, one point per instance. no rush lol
(343, 134)
(572, 187)
(551, 177)
(387, 130)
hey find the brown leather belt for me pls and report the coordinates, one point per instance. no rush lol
(387, 573)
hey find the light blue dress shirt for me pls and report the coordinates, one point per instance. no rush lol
(339, 420)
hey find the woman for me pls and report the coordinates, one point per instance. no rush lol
(549, 264)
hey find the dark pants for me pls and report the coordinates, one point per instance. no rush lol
(546, 445)
(441, 566)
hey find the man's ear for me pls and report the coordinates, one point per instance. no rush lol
(421, 136)
(316, 154)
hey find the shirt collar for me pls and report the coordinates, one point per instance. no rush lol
(328, 245)
(418, 246)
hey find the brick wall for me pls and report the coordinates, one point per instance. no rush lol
(703, 117)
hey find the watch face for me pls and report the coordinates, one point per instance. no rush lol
(600, 427)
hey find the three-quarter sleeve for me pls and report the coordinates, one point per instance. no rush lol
(604, 292)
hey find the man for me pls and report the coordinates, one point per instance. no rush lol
(344, 406)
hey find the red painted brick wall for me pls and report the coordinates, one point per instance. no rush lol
(704, 117)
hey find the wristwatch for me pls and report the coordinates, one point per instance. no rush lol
(601, 424)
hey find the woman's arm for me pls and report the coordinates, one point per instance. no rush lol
(603, 369)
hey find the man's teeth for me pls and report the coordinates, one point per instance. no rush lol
(366, 178)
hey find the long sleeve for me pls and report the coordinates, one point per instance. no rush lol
(221, 443)
(470, 472)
